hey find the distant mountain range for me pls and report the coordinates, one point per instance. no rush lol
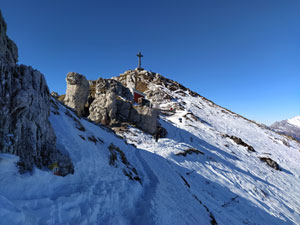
(290, 127)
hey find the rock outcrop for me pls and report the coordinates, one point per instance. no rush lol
(146, 82)
(139, 80)
(77, 92)
(24, 110)
(54, 94)
(8, 49)
(110, 97)
(270, 162)
(145, 118)
(113, 105)
(110, 101)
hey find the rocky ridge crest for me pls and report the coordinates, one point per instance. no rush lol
(286, 128)
(110, 102)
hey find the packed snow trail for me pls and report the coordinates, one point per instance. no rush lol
(145, 211)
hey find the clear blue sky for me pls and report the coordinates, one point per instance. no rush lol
(243, 55)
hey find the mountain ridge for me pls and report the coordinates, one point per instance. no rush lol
(211, 166)
(289, 127)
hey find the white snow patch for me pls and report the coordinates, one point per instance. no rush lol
(295, 121)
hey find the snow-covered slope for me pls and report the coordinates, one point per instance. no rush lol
(290, 127)
(211, 168)
(113, 183)
(235, 183)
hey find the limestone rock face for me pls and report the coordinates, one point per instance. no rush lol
(110, 102)
(24, 110)
(77, 92)
(113, 105)
(145, 118)
(104, 86)
(137, 79)
(8, 49)
(145, 81)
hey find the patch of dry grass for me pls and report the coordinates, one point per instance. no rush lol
(270, 162)
(129, 170)
(61, 98)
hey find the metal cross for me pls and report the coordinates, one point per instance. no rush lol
(140, 59)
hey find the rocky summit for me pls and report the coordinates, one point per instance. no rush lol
(136, 149)
(109, 102)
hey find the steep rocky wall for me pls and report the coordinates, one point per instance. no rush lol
(24, 110)
(8, 49)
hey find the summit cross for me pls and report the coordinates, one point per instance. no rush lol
(140, 59)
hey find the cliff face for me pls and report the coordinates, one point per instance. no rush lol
(8, 49)
(24, 110)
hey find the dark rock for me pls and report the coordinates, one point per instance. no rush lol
(239, 141)
(270, 162)
(189, 151)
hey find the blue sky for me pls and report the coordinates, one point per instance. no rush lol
(243, 55)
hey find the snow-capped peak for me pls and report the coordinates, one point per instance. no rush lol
(294, 121)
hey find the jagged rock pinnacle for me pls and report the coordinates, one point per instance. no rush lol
(77, 92)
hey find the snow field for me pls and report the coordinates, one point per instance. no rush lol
(233, 183)
(97, 193)
(225, 182)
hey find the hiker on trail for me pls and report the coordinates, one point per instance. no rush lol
(157, 135)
